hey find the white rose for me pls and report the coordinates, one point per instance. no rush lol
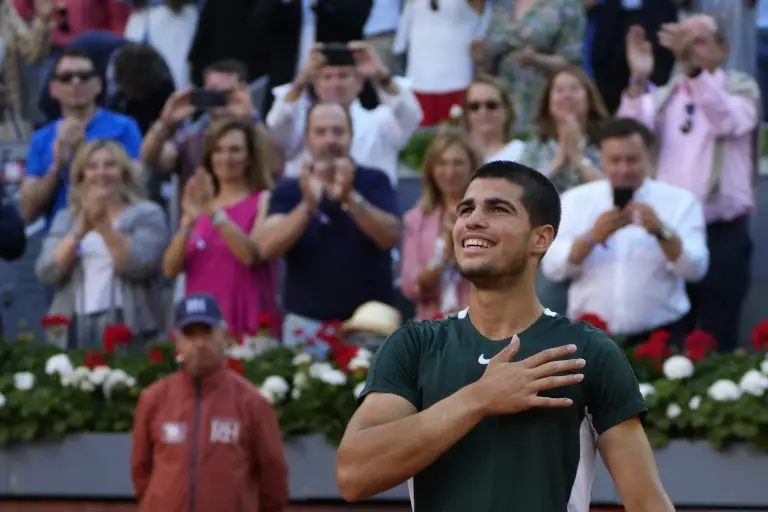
(301, 359)
(86, 385)
(334, 378)
(673, 411)
(646, 389)
(753, 383)
(455, 112)
(2, 400)
(678, 367)
(361, 361)
(694, 403)
(358, 389)
(296, 393)
(99, 374)
(117, 378)
(59, 364)
(274, 388)
(764, 366)
(241, 352)
(24, 381)
(316, 370)
(724, 390)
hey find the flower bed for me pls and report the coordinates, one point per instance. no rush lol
(47, 394)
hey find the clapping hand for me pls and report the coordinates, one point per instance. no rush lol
(311, 187)
(524, 58)
(343, 179)
(95, 207)
(70, 133)
(189, 202)
(639, 53)
(509, 387)
(204, 191)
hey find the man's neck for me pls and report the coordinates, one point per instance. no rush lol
(83, 114)
(500, 313)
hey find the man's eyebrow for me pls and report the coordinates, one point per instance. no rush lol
(496, 201)
(465, 202)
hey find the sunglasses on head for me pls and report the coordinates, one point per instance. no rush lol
(69, 76)
(474, 106)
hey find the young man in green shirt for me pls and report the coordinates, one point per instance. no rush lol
(503, 408)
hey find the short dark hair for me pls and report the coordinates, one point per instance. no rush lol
(621, 127)
(316, 104)
(230, 66)
(540, 197)
(72, 53)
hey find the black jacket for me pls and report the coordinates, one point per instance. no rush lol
(13, 239)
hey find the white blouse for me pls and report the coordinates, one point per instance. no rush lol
(511, 152)
(438, 43)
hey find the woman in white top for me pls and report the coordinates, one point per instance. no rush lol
(438, 35)
(169, 28)
(488, 117)
(104, 251)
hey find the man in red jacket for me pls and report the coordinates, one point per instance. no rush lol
(204, 439)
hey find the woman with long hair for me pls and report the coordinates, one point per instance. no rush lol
(568, 116)
(104, 251)
(488, 116)
(429, 276)
(223, 204)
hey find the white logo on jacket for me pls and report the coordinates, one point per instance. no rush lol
(225, 431)
(174, 433)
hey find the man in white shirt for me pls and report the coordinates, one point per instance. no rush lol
(338, 76)
(629, 243)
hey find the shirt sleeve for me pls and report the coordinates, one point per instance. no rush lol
(141, 447)
(556, 264)
(395, 367)
(380, 193)
(285, 197)
(131, 139)
(38, 157)
(691, 227)
(612, 393)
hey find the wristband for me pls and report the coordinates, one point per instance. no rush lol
(219, 217)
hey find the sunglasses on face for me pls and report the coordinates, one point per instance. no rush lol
(474, 106)
(68, 76)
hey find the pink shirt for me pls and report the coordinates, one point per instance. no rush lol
(685, 158)
(420, 234)
(84, 15)
(243, 292)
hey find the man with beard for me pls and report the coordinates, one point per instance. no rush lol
(502, 408)
(335, 225)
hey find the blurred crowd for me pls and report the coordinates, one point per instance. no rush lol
(250, 149)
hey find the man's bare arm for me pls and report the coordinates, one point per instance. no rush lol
(375, 456)
(279, 232)
(158, 151)
(36, 194)
(629, 458)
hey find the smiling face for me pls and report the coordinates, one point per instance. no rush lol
(103, 174)
(495, 243)
(486, 110)
(230, 157)
(568, 97)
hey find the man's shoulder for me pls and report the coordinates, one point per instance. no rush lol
(665, 192)
(371, 179)
(44, 134)
(426, 332)
(586, 190)
(159, 389)
(286, 187)
(114, 118)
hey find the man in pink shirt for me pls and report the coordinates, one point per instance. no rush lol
(707, 121)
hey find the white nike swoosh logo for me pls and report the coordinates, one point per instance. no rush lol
(483, 360)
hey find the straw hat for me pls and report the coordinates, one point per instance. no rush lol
(374, 317)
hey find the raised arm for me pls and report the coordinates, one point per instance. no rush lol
(629, 458)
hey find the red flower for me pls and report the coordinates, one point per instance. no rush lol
(265, 320)
(438, 316)
(760, 336)
(119, 334)
(698, 344)
(235, 365)
(155, 355)
(298, 332)
(343, 355)
(655, 348)
(239, 338)
(595, 321)
(94, 359)
(54, 321)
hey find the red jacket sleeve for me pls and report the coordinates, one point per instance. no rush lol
(141, 448)
(269, 455)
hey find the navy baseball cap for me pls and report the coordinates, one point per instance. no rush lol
(198, 308)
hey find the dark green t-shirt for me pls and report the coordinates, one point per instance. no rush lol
(540, 460)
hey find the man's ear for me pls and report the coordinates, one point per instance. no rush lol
(541, 239)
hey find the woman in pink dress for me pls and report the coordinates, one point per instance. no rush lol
(222, 204)
(429, 276)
